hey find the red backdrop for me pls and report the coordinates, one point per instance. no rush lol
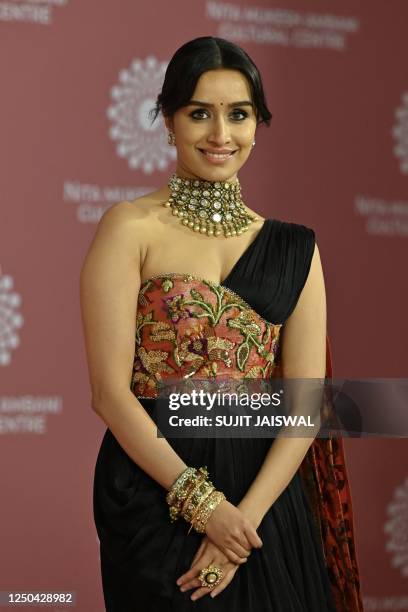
(77, 78)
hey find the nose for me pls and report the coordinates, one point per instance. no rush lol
(219, 134)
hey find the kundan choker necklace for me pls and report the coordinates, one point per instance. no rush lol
(210, 208)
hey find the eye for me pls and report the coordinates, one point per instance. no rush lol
(199, 113)
(238, 114)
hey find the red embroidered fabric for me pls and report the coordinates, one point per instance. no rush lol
(188, 327)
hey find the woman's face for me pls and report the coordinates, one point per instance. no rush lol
(215, 131)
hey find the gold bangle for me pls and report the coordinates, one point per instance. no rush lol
(199, 505)
(182, 487)
(178, 484)
(193, 502)
(208, 508)
(193, 498)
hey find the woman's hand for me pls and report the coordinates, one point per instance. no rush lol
(207, 554)
(232, 532)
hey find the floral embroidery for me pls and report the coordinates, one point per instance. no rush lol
(145, 287)
(198, 329)
(148, 368)
(167, 284)
(202, 350)
(162, 331)
(176, 308)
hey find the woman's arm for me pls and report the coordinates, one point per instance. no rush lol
(109, 288)
(303, 356)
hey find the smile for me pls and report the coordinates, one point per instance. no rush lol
(220, 156)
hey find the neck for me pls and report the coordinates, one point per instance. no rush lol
(185, 174)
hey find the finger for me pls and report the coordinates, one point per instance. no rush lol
(201, 592)
(253, 538)
(224, 583)
(228, 575)
(233, 557)
(190, 575)
(203, 561)
(195, 582)
(240, 547)
(240, 550)
(199, 552)
(191, 584)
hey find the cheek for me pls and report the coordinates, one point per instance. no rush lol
(246, 134)
(246, 138)
(187, 132)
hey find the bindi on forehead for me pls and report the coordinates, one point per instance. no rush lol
(210, 105)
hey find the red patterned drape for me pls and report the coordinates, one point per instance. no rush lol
(324, 476)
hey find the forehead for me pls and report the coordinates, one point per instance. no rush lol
(222, 85)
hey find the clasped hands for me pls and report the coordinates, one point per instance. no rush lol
(230, 537)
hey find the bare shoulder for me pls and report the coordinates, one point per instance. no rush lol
(316, 261)
(140, 211)
(130, 225)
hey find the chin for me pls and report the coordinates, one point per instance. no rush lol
(215, 174)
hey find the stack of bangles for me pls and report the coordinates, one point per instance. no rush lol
(193, 497)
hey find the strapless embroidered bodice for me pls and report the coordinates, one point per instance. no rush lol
(191, 327)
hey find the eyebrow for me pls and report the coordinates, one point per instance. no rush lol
(209, 105)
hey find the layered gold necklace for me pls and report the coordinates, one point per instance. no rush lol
(210, 208)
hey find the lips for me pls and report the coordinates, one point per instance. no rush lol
(220, 155)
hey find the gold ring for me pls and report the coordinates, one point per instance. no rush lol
(210, 576)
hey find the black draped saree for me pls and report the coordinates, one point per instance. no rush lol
(307, 562)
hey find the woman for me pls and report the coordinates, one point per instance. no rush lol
(224, 293)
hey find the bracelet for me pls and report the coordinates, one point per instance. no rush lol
(193, 497)
(199, 505)
(178, 484)
(206, 510)
(177, 490)
(194, 500)
(182, 487)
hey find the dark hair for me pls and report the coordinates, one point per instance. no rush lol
(196, 57)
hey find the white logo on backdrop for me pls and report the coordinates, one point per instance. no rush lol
(400, 133)
(383, 217)
(397, 528)
(91, 200)
(30, 11)
(142, 143)
(27, 413)
(10, 319)
(281, 26)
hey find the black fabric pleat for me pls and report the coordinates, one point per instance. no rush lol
(272, 272)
